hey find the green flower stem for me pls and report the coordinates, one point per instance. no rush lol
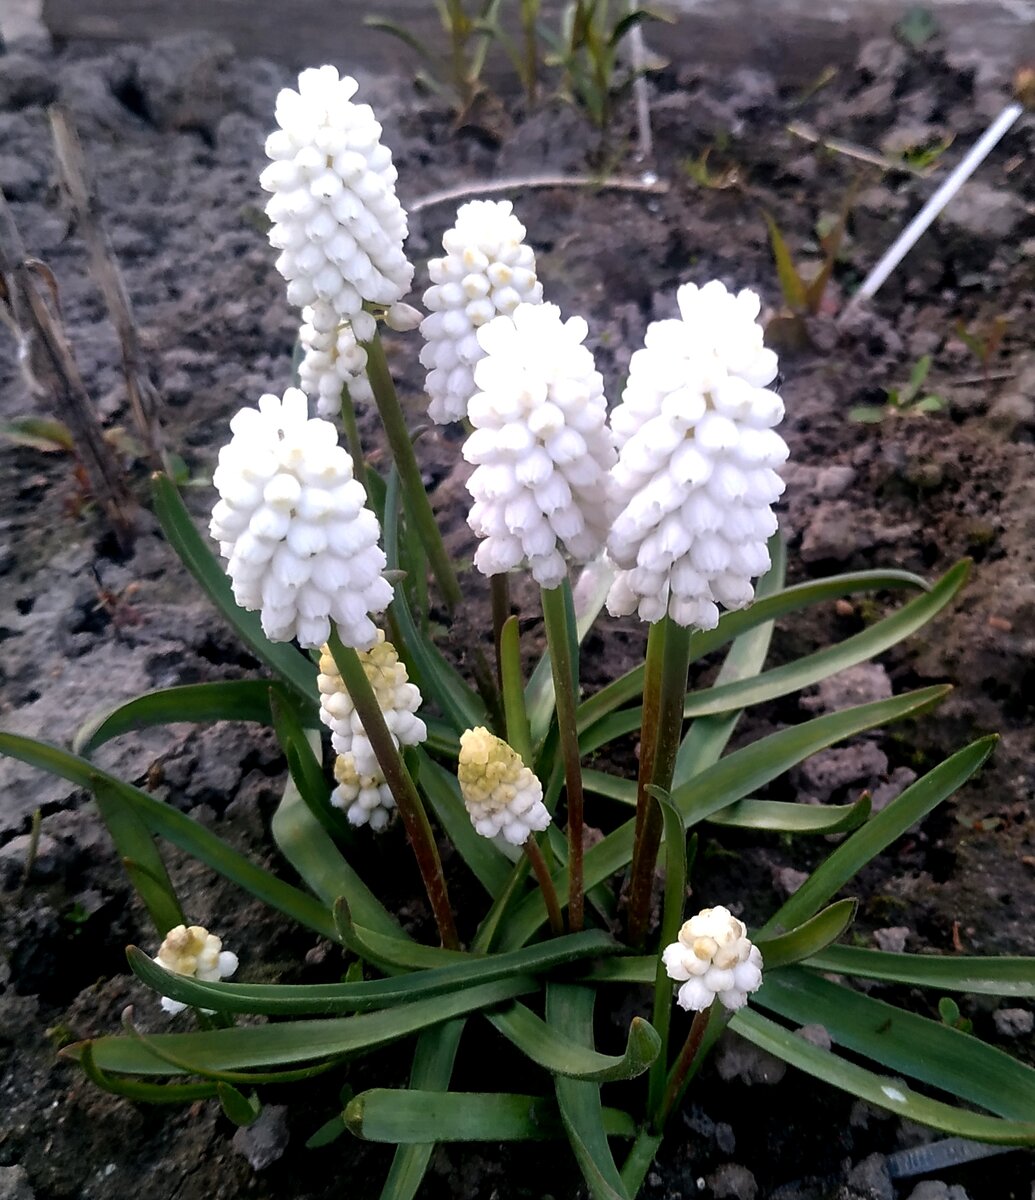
(684, 1068)
(542, 873)
(664, 691)
(348, 420)
(641, 1156)
(499, 586)
(407, 798)
(563, 666)
(418, 506)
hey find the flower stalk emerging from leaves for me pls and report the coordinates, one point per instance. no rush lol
(301, 545)
(192, 950)
(362, 788)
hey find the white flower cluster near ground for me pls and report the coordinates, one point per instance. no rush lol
(335, 216)
(713, 957)
(697, 462)
(331, 359)
(362, 790)
(192, 950)
(501, 793)
(541, 446)
(301, 545)
(487, 270)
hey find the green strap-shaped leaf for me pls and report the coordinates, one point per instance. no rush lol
(198, 703)
(776, 816)
(879, 832)
(569, 1009)
(728, 780)
(462, 971)
(489, 866)
(561, 1056)
(405, 1117)
(181, 830)
(903, 1042)
(303, 750)
(767, 607)
(140, 856)
(281, 657)
(256, 1046)
(432, 1069)
(885, 1091)
(135, 1089)
(809, 938)
(391, 953)
(1004, 976)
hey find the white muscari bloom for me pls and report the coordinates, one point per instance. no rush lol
(292, 523)
(362, 790)
(697, 462)
(541, 446)
(331, 359)
(192, 950)
(335, 216)
(713, 957)
(487, 270)
(501, 793)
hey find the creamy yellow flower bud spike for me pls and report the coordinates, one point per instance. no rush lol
(501, 793)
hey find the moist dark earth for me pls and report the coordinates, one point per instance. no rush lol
(173, 134)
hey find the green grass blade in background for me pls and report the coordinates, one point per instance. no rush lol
(1005, 976)
(885, 1091)
(281, 657)
(880, 831)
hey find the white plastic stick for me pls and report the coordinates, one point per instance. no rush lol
(908, 238)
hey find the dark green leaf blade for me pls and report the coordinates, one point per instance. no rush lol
(809, 938)
(1001, 976)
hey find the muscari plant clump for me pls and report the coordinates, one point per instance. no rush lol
(664, 508)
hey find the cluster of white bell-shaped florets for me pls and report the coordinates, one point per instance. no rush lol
(713, 957)
(335, 216)
(331, 359)
(301, 545)
(697, 462)
(192, 950)
(362, 790)
(487, 270)
(541, 446)
(501, 793)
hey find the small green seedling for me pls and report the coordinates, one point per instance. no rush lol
(911, 400)
(949, 1011)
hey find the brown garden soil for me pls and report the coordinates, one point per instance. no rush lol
(174, 136)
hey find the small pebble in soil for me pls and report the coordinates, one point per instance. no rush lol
(266, 1139)
(732, 1180)
(737, 1059)
(1014, 1022)
(934, 1189)
(893, 939)
(14, 1184)
(870, 1178)
(816, 1035)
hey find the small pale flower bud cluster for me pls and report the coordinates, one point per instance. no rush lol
(292, 523)
(192, 950)
(697, 462)
(487, 270)
(335, 216)
(541, 446)
(331, 359)
(501, 793)
(713, 957)
(362, 790)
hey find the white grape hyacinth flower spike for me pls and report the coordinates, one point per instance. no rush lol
(335, 217)
(362, 791)
(193, 951)
(698, 457)
(291, 521)
(501, 793)
(331, 359)
(487, 270)
(541, 446)
(713, 957)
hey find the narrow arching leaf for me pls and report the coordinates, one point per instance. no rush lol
(293, 667)
(885, 1091)
(392, 953)
(903, 1042)
(135, 1089)
(569, 1009)
(877, 834)
(259, 1046)
(1005, 976)
(236, 1105)
(725, 782)
(405, 1117)
(198, 703)
(560, 1056)
(191, 837)
(459, 972)
(809, 938)
(780, 816)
